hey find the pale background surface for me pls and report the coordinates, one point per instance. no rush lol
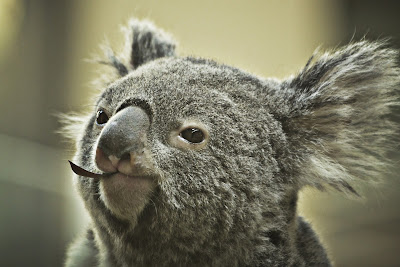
(42, 47)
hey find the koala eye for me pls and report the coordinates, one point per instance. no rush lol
(101, 117)
(192, 135)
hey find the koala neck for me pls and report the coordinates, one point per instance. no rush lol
(149, 244)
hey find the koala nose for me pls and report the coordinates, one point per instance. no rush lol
(124, 134)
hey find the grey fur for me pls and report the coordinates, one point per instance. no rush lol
(233, 202)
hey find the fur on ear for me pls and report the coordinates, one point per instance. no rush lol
(144, 43)
(338, 113)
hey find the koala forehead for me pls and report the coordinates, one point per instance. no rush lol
(186, 87)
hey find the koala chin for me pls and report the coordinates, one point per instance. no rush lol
(188, 162)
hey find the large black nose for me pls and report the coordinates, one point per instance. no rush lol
(125, 132)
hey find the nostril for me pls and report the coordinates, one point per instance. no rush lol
(114, 160)
(103, 161)
(126, 156)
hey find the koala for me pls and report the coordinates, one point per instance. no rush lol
(188, 162)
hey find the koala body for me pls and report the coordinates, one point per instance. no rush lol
(202, 162)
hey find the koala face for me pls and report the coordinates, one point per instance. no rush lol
(200, 163)
(181, 146)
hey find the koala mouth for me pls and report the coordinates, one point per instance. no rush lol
(82, 172)
(97, 176)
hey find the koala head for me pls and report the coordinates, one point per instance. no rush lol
(198, 162)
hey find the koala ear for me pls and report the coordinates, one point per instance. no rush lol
(336, 115)
(144, 43)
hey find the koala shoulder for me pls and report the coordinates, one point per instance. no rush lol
(309, 246)
(83, 251)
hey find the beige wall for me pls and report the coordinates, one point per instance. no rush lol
(268, 38)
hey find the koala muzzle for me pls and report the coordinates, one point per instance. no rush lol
(122, 142)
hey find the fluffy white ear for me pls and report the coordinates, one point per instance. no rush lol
(338, 113)
(144, 43)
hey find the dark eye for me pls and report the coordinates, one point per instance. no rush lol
(101, 117)
(193, 135)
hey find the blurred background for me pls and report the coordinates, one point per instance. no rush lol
(43, 45)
